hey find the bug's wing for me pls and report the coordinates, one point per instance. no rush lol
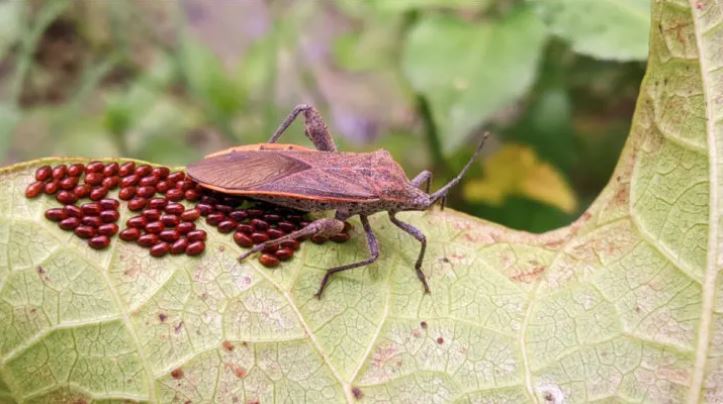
(300, 175)
(323, 183)
(245, 170)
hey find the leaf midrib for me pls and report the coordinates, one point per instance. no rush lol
(710, 274)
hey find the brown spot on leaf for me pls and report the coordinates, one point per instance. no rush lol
(622, 196)
(555, 244)
(254, 401)
(177, 373)
(423, 324)
(357, 393)
(239, 371)
(440, 340)
(42, 274)
(132, 271)
(162, 317)
(177, 328)
(528, 276)
(227, 345)
(458, 257)
(382, 355)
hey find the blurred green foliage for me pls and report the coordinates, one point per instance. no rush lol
(171, 81)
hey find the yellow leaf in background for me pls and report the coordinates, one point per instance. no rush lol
(517, 170)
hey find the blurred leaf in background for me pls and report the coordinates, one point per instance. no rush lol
(10, 24)
(411, 5)
(9, 117)
(554, 80)
(468, 71)
(517, 170)
(605, 29)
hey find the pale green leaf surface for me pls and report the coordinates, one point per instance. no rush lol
(624, 305)
(606, 29)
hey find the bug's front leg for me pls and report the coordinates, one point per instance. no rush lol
(416, 233)
(314, 128)
(425, 177)
(373, 252)
(324, 227)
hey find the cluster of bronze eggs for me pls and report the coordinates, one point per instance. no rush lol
(94, 221)
(163, 224)
(137, 184)
(165, 227)
(256, 224)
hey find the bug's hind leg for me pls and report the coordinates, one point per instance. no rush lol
(423, 178)
(416, 233)
(373, 251)
(314, 128)
(323, 227)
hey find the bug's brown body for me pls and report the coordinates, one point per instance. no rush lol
(322, 179)
(352, 183)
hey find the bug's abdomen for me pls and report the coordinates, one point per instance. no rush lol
(306, 205)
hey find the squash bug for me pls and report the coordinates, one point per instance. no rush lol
(323, 179)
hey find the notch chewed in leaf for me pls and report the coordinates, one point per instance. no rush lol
(622, 305)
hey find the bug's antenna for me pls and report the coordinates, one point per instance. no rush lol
(442, 192)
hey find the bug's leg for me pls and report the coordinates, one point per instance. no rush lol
(373, 251)
(314, 128)
(416, 233)
(425, 177)
(324, 227)
(287, 122)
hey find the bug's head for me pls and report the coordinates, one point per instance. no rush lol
(441, 194)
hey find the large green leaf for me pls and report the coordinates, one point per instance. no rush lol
(469, 71)
(623, 305)
(606, 29)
